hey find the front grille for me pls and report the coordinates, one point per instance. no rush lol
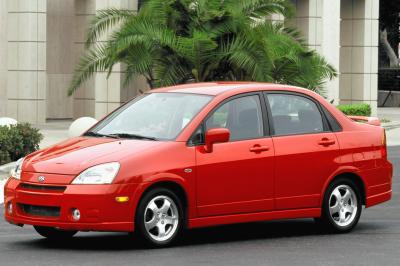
(44, 211)
(43, 188)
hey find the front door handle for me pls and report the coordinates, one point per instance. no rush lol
(258, 148)
(326, 142)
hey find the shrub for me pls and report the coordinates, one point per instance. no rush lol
(361, 109)
(17, 141)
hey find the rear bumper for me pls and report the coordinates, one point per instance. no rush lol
(379, 198)
(97, 204)
(380, 188)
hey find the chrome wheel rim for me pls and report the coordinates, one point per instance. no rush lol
(161, 218)
(343, 205)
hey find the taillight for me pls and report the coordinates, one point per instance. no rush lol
(383, 147)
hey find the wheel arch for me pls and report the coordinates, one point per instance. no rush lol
(354, 177)
(174, 186)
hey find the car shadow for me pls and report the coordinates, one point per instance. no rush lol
(201, 236)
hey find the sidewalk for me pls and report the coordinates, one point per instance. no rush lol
(392, 127)
(54, 131)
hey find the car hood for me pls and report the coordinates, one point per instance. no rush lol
(75, 155)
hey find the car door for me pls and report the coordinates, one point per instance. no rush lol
(237, 176)
(306, 150)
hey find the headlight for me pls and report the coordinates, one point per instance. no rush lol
(16, 172)
(99, 174)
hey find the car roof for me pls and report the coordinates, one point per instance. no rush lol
(217, 88)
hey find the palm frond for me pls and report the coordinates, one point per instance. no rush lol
(170, 71)
(173, 41)
(98, 58)
(105, 20)
(245, 55)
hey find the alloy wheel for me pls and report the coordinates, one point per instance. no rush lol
(343, 205)
(161, 218)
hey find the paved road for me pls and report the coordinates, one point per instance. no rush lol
(376, 241)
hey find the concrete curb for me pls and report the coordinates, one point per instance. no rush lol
(391, 125)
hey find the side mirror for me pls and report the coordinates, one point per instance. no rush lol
(216, 135)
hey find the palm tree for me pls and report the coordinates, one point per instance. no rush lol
(178, 41)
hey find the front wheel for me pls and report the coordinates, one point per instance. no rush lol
(341, 209)
(159, 217)
(54, 233)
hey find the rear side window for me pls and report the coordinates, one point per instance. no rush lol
(242, 116)
(335, 126)
(293, 114)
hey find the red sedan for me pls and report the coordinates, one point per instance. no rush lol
(202, 155)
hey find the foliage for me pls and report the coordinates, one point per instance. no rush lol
(362, 109)
(180, 41)
(16, 141)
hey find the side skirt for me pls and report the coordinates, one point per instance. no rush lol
(253, 217)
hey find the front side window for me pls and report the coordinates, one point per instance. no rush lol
(242, 116)
(292, 114)
(156, 115)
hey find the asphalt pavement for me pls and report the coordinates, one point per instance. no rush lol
(375, 241)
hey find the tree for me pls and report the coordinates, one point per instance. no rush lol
(179, 41)
(389, 30)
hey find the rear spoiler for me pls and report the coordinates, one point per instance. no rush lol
(365, 119)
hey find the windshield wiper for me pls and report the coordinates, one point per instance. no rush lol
(95, 134)
(130, 136)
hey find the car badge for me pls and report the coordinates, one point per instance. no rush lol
(41, 179)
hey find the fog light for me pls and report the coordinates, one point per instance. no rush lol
(10, 208)
(76, 214)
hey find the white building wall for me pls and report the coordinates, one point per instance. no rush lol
(84, 96)
(99, 96)
(359, 52)
(3, 58)
(331, 43)
(41, 42)
(308, 20)
(60, 57)
(26, 60)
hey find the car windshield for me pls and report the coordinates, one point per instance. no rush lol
(154, 116)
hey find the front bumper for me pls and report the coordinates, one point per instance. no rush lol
(97, 204)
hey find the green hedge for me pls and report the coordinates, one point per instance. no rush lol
(17, 141)
(362, 109)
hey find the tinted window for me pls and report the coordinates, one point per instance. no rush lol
(335, 126)
(293, 114)
(242, 116)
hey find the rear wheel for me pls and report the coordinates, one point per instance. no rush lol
(159, 217)
(54, 233)
(341, 209)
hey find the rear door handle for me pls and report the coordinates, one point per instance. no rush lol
(259, 148)
(326, 142)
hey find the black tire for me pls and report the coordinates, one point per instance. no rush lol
(140, 228)
(54, 233)
(330, 222)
